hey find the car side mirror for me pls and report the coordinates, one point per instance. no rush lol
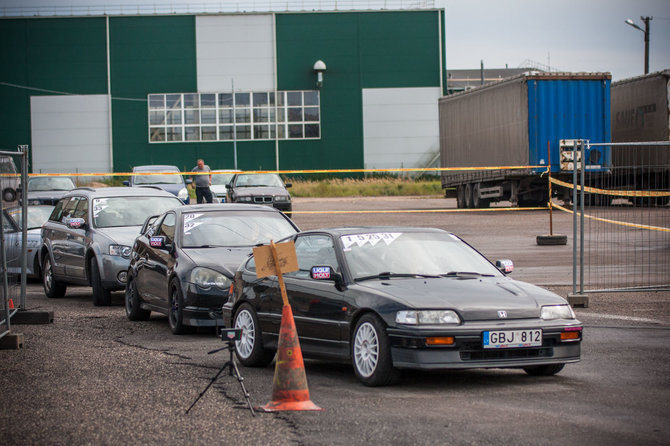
(505, 265)
(126, 183)
(189, 181)
(229, 186)
(327, 273)
(160, 242)
(76, 223)
(287, 185)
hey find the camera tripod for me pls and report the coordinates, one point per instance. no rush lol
(233, 371)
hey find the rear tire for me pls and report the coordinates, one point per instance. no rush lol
(52, 288)
(544, 370)
(101, 296)
(467, 192)
(479, 202)
(249, 349)
(460, 197)
(133, 301)
(371, 353)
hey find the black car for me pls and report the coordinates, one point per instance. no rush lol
(183, 262)
(391, 298)
(260, 188)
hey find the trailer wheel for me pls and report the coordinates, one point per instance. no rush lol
(479, 202)
(468, 196)
(460, 197)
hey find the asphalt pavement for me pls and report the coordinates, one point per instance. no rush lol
(93, 377)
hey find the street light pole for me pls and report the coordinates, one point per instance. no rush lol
(646, 39)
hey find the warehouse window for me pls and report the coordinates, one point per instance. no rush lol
(180, 117)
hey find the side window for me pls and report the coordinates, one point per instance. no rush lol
(314, 250)
(167, 228)
(69, 208)
(57, 213)
(82, 210)
(7, 226)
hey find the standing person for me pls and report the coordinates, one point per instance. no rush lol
(202, 182)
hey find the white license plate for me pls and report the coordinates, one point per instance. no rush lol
(512, 338)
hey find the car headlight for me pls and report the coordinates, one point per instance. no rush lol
(243, 199)
(183, 194)
(34, 201)
(550, 312)
(282, 198)
(119, 250)
(207, 278)
(427, 317)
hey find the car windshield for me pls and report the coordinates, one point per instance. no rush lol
(258, 179)
(233, 228)
(221, 178)
(50, 183)
(129, 211)
(412, 253)
(158, 178)
(37, 215)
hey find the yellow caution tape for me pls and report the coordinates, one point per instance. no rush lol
(615, 222)
(616, 193)
(423, 169)
(417, 211)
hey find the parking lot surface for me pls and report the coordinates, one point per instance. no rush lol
(93, 377)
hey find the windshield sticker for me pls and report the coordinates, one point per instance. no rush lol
(99, 204)
(190, 223)
(361, 239)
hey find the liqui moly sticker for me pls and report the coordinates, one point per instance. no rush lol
(156, 241)
(321, 272)
(373, 238)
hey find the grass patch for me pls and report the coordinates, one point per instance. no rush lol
(368, 187)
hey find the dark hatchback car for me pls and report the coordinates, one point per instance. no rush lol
(392, 298)
(183, 263)
(88, 237)
(260, 188)
(166, 177)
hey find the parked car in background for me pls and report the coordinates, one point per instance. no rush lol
(392, 298)
(9, 180)
(260, 188)
(182, 264)
(220, 179)
(170, 181)
(12, 223)
(48, 190)
(88, 237)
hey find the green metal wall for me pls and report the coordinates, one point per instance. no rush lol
(63, 55)
(361, 50)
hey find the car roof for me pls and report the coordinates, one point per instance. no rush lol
(353, 230)
(120, 192)
(156, 168)
(210, 207)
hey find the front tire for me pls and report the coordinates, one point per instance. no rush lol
(132, 299)
(544, 370)
(371, 353)
(249, 349)
(101, 296)
(176, 309)
(52, 288)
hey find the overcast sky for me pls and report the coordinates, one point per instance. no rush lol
(570, 35)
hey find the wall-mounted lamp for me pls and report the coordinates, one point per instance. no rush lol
(319, 68)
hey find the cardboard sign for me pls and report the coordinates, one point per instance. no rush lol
(265, 265)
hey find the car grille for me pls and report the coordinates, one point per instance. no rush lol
(263, 199)
(511, 353)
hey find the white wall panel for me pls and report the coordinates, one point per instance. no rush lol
(400, 127)
(70, 134)
(235, 47)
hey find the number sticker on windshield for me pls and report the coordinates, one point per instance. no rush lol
(373, 238)
(99, 204)
(190, 223)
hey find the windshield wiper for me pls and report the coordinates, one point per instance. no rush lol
(388, 275)
(465, 274)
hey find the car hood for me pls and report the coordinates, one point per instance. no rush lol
(49, 194)
(124, 235)
(263, 190)
(221, 259)
(473, 298)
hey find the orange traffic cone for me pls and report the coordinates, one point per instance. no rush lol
(11, 304)
(289, 389)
